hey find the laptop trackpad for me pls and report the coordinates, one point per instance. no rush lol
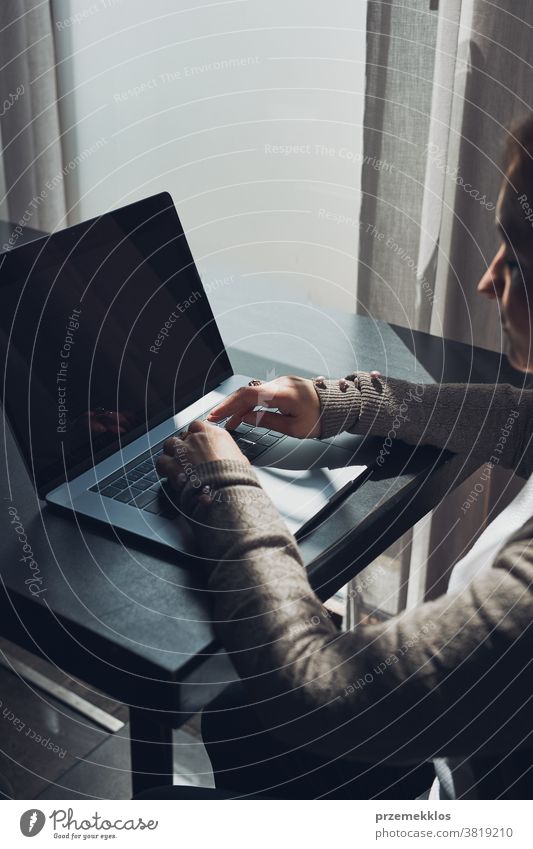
(293, 453)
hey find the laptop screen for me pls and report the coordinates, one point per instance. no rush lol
(105, 331)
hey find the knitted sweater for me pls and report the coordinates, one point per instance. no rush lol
(448, 679)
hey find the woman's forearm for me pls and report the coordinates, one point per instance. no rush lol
(409, 689)
(491, 423)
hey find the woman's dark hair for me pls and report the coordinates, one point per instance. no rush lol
(520, 153)
(515, 205)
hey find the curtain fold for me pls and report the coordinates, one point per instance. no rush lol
(31, 142)
(400, 58)
(442, 128)
(490, 87)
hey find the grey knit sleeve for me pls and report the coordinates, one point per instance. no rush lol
(339, 411)
(239, 517)
(489, 422)
(440, 680)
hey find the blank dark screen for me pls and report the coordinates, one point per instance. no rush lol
(105, 330)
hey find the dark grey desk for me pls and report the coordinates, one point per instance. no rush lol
(133, 620)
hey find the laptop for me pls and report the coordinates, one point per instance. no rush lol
(109, 347)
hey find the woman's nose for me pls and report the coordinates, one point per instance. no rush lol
(492, 283)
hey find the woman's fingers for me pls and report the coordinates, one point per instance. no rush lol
(241, 401)
(166, 466)
(170, 445)
(198, 426)
(272, 421)
(235, 420)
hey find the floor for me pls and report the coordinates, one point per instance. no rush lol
(49, 751)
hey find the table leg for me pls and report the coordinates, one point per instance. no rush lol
(151, 750)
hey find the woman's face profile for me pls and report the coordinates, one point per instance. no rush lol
(509, 277)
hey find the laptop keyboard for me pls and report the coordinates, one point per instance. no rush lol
(139, 485)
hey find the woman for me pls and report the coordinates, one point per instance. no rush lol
(456, 683)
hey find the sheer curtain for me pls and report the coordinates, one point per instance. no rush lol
(442, 87)
(29, 123)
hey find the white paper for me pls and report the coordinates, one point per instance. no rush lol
(300, 495)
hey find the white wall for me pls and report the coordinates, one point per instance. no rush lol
(248, 112)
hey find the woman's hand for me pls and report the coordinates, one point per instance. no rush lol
(295, 398)
(202, 443)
